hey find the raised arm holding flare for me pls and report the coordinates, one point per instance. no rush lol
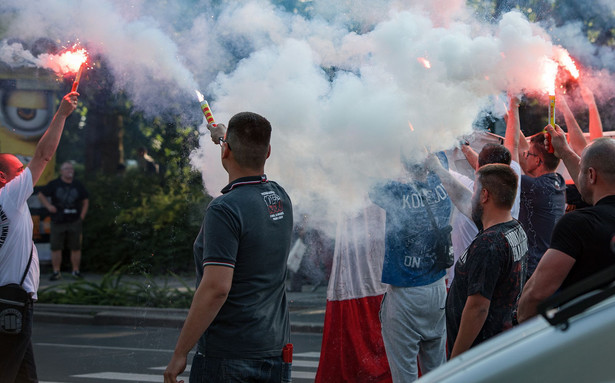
(563, 151)
(575, 134)
(239, 313)
(595, 123)
(48, 144)
(513, 129)
(16, 185)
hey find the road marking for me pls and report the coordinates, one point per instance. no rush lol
(312, 354)
(121, 376)
(304, 363)
(303, 375)
(156, 378)
(102, 347)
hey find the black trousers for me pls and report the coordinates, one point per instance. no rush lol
(16, 355)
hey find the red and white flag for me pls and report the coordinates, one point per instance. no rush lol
(352, 347)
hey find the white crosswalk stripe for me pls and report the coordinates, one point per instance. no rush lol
(304, 370)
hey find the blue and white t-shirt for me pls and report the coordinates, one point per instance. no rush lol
(409, 258)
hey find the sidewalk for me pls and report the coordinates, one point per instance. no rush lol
(307, 308)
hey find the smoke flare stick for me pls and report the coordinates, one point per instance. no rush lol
(205, 108)
(551, 120)
(78, 78)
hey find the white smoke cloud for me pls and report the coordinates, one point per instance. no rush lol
(340, 87)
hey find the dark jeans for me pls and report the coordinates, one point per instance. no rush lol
(16, 355)
(212, 370)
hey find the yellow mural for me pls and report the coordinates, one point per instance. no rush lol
(28, 99)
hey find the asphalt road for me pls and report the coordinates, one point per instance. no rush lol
(86, 353)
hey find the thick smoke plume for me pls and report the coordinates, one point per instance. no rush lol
(347, 89)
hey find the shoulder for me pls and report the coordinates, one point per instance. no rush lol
(577, 218)
(464, 180)
(516, 167)
(496, 236)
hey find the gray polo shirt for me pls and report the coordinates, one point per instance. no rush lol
(248, 228)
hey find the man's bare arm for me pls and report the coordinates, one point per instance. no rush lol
(470, 155)
(513, 129)
(595, 123)
(550, 273)
(575, 134)
(459, 194)
(562, 150)
(85, 205)
(472, 320)
(47, 145)
(208, 299)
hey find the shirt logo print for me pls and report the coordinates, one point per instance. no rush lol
(274, 205)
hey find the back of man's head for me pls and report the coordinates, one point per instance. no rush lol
(501, 182)
(549, 160)
(248, 137)
(494, 154)
(600, 155)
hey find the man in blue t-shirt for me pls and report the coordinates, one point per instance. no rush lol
(543, 196)
(412, 313)
(239, 314)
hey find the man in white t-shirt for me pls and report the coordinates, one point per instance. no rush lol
(16, 185)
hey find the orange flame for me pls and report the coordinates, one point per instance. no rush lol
(563, 57)
(424, 62)
(411, 127)
(66, 62)
(549, 74)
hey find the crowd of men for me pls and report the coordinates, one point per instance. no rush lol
(503, 266)
(514, 245)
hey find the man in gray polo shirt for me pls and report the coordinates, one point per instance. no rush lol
(239, 313)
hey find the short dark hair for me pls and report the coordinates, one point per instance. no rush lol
(494, 154)
(248, 136)
(549, 159)
(501, 182)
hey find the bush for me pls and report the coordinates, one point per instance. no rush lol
(113, 290)
(143, 222)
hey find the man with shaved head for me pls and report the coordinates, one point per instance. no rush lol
(18, 256)
(580, 245)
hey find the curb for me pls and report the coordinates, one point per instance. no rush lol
(135, 317)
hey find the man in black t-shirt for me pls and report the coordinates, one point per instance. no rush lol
(68, 207)
(239, 314)
(581, 241)
(490, 274)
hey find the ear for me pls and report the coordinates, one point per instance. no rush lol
(484, 195)
(225, 151)
(592, 175)
(268, 152)
(2, 179)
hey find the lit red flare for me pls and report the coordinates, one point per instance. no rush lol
(424, 62)
(564, 59)
(73, 60)
(67, 62)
